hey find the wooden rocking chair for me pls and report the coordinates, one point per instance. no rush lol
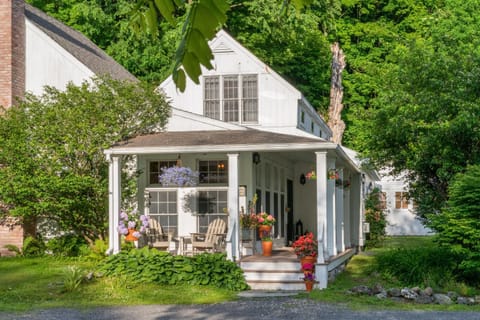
(212, 240)
(156, 237)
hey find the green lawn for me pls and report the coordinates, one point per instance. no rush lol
(361, 271)
(27, 283)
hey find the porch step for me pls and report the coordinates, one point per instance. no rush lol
(281, 271)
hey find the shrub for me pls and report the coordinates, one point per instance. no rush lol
(375, 216)
(434, 267)
(32, 247)
(458, 224)
(153, 266)
(69, 245)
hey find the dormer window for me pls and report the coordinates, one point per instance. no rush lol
(231, 98)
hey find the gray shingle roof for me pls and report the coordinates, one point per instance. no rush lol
(221, 137)
(78, 45)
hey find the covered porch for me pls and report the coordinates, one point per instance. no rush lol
(236, 165)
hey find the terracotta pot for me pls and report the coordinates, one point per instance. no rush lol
(308, 259)
(262, 230)
(129, 236)
(267, 248)
(309, 285)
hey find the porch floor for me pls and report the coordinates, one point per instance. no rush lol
(285, 254)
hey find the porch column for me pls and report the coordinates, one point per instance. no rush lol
(331, 220)
(233, 241)
(114, 200)
(347, 217)
(321, 169)
(356, 223)
(339, 214)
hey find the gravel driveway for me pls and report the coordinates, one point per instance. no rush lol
(245, 308)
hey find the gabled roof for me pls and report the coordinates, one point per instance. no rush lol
(77, 45)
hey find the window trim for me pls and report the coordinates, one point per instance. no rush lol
(219, 101)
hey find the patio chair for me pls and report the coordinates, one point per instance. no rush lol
(156, 237)
(211, 241)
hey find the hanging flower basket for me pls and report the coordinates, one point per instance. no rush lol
(178, 177)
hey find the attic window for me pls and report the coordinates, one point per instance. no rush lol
(231, 98)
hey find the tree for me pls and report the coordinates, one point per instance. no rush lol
(426, 114)
(203, 19)
(51, 150)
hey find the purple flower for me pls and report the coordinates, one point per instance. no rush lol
(137, 234)
(131, 224)
(178, 176)
(123, 215)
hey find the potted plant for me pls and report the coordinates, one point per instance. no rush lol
(265, 222)
(178, 177)
(309, 280)
(306, 248)
(132, 225)
(267, 245)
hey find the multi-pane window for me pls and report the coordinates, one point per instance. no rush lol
(162, 205)
(231, 98)
(155, 169)
(212, 204)
(212, 97)
(382, 198)
(401, 200)
(213, 171)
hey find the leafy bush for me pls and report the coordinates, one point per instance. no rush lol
(32, 247)
(153, 266)
(458, 224)
(434, 267)
(69, 245)
(375, 216)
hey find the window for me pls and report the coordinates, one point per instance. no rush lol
(163, 207)
(302, 116)
(212, 204)
(155, 169)
(401, 200)
(231, 98)
(382, 198)
(213, 171)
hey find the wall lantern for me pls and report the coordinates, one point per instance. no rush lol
(303, 180)
(256, 158)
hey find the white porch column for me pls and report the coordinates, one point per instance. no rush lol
(347, 217)
(233, 239)
(339, 214)
(321, 169)
(114, 200)
(331, 220)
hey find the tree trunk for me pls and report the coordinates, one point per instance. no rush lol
(335, 121)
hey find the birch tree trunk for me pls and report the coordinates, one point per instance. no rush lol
(335, 121)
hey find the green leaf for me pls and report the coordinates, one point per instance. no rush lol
(166, 8)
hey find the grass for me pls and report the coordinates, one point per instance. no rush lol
(361, 271)
(34, 283)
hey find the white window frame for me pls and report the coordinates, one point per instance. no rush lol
(238, 103)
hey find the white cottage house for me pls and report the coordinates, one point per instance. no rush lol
(247, 131)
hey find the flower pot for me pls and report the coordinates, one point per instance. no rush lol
(309, 285)
(130, 236)
(308, 259)
(264, 230)
(267, 248)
